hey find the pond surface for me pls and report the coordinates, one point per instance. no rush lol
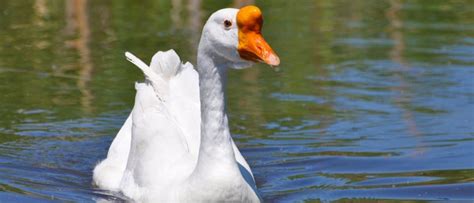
(374, 100)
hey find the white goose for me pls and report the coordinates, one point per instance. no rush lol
(176, 145)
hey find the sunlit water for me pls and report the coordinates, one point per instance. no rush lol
(373, 99)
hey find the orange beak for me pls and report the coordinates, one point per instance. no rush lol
(252, 46)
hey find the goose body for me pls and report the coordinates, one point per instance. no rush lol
(175, 146)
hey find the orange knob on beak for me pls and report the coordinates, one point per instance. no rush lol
(252, 46)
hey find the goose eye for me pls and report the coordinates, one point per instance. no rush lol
(227, 23)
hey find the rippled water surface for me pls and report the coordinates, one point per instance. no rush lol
(374, 100)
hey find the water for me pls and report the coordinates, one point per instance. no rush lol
(374, 100)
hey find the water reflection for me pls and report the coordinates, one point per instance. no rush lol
(77, 20)
(396, 55)
(373, 101)
(242, 3)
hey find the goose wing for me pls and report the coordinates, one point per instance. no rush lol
(165, 119)
(166, 113)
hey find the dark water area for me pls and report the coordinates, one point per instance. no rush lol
(374, 100)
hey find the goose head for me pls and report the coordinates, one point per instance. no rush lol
(234, 37)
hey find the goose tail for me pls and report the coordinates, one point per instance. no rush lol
(163, 66)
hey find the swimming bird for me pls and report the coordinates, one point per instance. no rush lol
(176, 144)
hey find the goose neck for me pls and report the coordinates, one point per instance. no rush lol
(216, 143)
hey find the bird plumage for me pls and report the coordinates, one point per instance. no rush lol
(165, 125)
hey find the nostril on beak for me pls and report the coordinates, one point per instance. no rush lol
(260, 49)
